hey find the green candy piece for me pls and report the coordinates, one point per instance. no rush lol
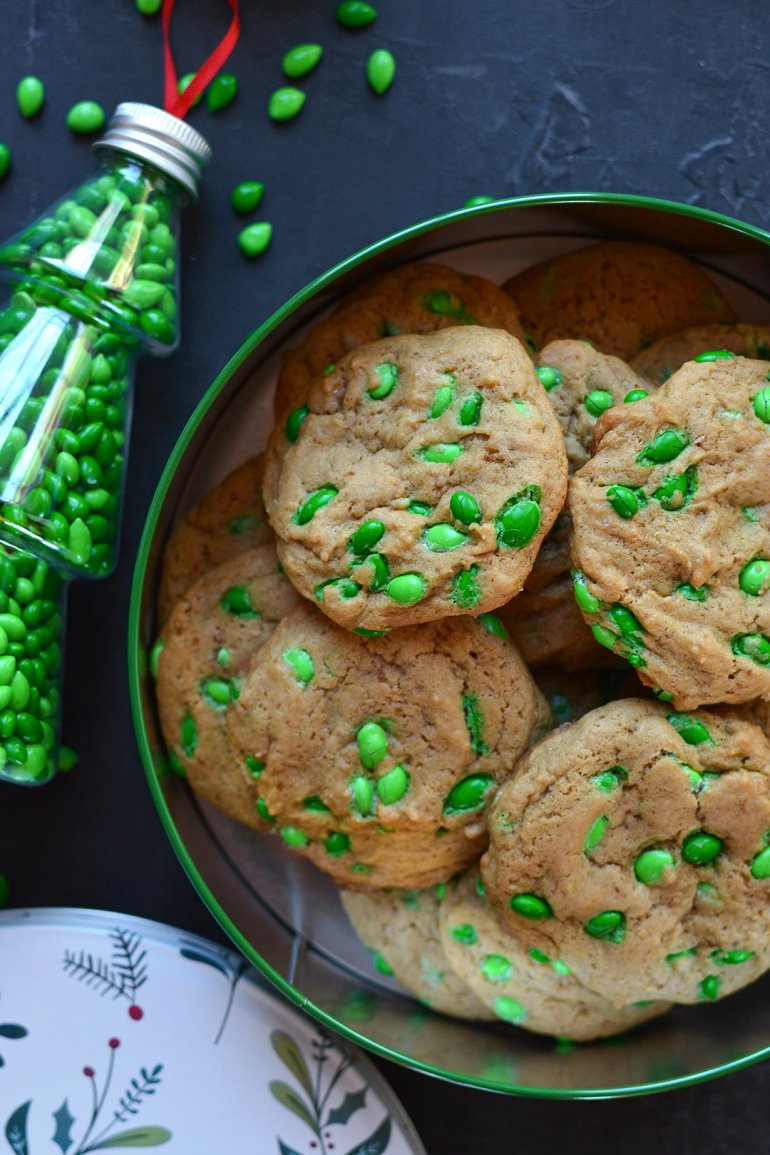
(466, 588)
(628, 624)
(496, 968)
(443, 537)
(760, 865)
(692, 593)
(237, 601)
(337, 843)
(598, 401)
(755, 577)
(478, 200)
(760, 403)
(315, 805)
(407, 588)
(286, 103)
(219, 693)
(30, 96)
(369, 633)
(678, 955)
(5, 159)
(301, 663)
(470, 410)
(714, 355)
(294, 837)
(609, 925)
(531, 906)
(518, 520)
(184, 83)
(387, 375)
(651, 865)
(294, 422)
(380, 569)
(372, 744)
(148, 7)
(85, 117)
(315, 501)
(701, 848)
(677, 491)
(690, 729)
(550, 378)
(664, 447)
(68, 759)
(624, 500)
(442, 453)
(635, 395)
(154, 658)
(468, 794)
(729, 958)
(362, 791)
(355, 14)
(753, 646)
(247, 195)
(492, 624)
(380, 70)
(222, 91)
(596, 832)
(254, 766)
(345, 588)
(509, 1010)
(301, 60)
(465, 933)
(585, 600)
(443, 397)
(366, 537)
(464, 507)
(709, 987)
(421, 508)
(254, 239)
(188, 735)
(474, 724)
(382, 964)
(392, 787)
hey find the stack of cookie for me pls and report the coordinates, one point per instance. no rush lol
(362, 634)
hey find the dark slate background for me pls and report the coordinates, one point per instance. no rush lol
(500, 97)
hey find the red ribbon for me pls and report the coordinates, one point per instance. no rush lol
(179, 104)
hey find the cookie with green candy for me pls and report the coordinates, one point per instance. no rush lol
(380, 755)
(671, 534)
(634, 846)
(226, 521)
(522, 984)
(414, 298)
(544, 621)
(401, 929)
(224, 616)
(619, 295)
(422, 480)
(659, 360)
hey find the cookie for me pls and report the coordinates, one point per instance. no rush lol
(421, 482)
(224, 616)
(543, 619)
(634, 846)
(415, 298)
(671, 532)
(380, 755)
(521, 984)
(227, 521)
(658, 361)
(401, 928)
(619, 295)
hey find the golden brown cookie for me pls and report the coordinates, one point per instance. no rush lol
(415, 298)
(401, 928)
(634, 845)
(227, 521)
(220, 621)
(380, 755)
(619, 295)
(519, 983)
(658, 361)
(422, 481)
(671, 534)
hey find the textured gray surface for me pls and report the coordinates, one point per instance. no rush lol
(496, 96)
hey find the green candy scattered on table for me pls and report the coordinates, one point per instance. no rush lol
(30, 96)
(85, 117)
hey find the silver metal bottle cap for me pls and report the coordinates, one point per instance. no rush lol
(142, 130)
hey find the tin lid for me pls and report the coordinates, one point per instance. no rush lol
(144, 131)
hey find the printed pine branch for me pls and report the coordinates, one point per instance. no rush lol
(128, 960)
(94, 973)
(131, 1100)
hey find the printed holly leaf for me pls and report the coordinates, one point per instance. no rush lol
(64, 1120)
(136, 1137)
(377, 1141)
(284, 1150)
(288, 1051)
(16, 1129)
(198, 956)
(289, 1098)
(12, 1031)
(353, 1101)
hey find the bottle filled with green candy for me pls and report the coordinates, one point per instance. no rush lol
(92, 285)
